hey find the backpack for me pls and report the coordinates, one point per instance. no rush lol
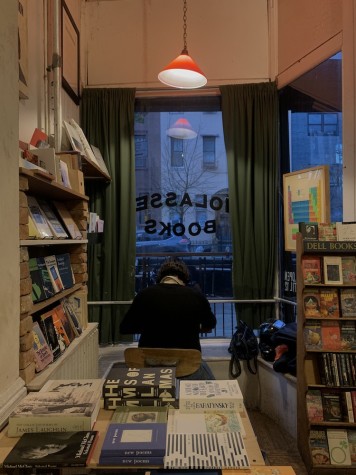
(243, 346)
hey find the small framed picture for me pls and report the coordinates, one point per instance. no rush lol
(333, 270)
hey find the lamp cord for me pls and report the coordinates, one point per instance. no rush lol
(185, 50)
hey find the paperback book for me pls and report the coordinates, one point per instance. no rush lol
(330, 335)
(49, 330)
(348, 302)
(314, 405)
(348, 265)
(327, 231)
(61, 315)
(72, 316)
(46, 280)
(311, 269)
(51, 264)
(332, 409)
(308, 230)
(348, 335)
(65, 270)
(56, 227)
(329, 303)
(312, 335)
(351, 436)
(38, 292)
(338, 447)
(68, 220)
(311, 304)
(39, 218)
(210, 395)
(332, 266)
(319, 448)
(43, 353)
(54, 450)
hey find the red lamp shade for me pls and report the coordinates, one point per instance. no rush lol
(183, 73)
(181, 129)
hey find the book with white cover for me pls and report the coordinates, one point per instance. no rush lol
(53, 272)
(87, 149)
(39, 218)
(338, 447)
(210, 395)
(53, 222)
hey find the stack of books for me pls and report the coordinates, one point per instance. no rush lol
(125, 386)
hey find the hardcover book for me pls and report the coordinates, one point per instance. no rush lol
(330, 335)
(131, 440)
(56, 227)
(133, 383)
(338, 447)
(329, 303)
(314, 405)
(332, 409)
(131, 461)
(210, 395)
(348, 265)
(51, 264)
(65, 270)
(312, 335)
(319, 447)
(116, 402)
(327, 231)
(53, 450)
(311, 269)
(332, 266)
(137, 416)
(43, 353)
(39, 218)
(311, 304)
(348, 302)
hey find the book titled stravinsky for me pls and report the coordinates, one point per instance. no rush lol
(210, 395)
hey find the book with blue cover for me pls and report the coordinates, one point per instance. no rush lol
(132, 461)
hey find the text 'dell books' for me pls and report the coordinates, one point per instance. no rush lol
(39, 218)
(126, 383)
(210, 395)
(134, 415)
(311, 269)
(127, 440)
(43, 353)
(68, 220)
(53, 450)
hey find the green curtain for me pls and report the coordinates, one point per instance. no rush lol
(250, 122)
(107, 119)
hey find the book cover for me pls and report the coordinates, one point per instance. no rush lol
(348, 302)
(338, 447)
(78, 301)
(65, 270)
(330, 335)
(210, 395)
(117, 402)
(311, 303)
(213, 450)
(346, 231)
(51, 264)
(38, 292)
(348, 265)
(61, 333)
(67, 327)
(348, 335)
(311, 269)
(68, 220)
(332, 409)
(319, 447)
(131, 461)
(43, 353)
(137, 416)
(204, 422)
(91, 388)
(351, 437)
(39, 218)
(72, 316)
(312, 335)
(314, 405)
(332, 266)
(134, 383)
(51, 335)
(346, 401)
(53, 450)
(56, 227)
(329, 303)
(46, 280)
(308, 230)
(327, 231)
(126, 439)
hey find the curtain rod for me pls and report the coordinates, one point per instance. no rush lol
(209, 91)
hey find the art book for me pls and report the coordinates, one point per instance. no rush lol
(327, 231)
(312, 335)
(330, 335)
(132, 383)
(319, 447)
(210, 395)
(311, 269)
(348, 265)
(43, 353)
(308, 230)
(135, 440)
(140, 415)
(314, 405)
(338, 447)
(53, 450)
(348, 302)
(311, 304)
(329, 303)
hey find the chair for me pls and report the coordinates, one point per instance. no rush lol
(185, 361)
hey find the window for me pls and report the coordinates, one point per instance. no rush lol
(325, 123)
(141, 151)
(208, 151)
(177, 152)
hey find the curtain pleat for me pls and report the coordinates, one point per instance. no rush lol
(250, 122)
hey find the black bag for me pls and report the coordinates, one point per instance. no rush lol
(266, 345)
(243, 346)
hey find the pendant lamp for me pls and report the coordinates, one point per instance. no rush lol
(181, 129)
(183, 72)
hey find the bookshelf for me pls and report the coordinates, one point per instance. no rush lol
(42, 185)
(315, 356)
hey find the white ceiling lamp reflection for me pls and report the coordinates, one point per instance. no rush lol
(181, 129)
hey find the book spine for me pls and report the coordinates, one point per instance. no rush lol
(133, 392)
(113, 403)
(129, 460)
(19, 426)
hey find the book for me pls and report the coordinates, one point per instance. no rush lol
(49, 330)
(51, 264)
(100, 159)
(137, 416)
(311, 269)
(210, 395)
(38, 292)
(63, 338)
(46, 280)
(332, 266)
(56, 227)
(43, 353)
(308, 230)
(39, 218)
(329, 303)
(74, 138)
(346, 401)
(330, 335)
(332, 408)
(135, 440)
(348, 265)
(346, 231)
(39, 139)
(133, 383)
(312, 335)
(348, 335)
(78, 301)
(68, 220)
(338, 447)
(67, 327)
(117, 402)
(64, 267)
(52, 450)
(88, 152)
(348, 302)
(72, 317)
(74, 409)
(64, 174)
(327, 231)
(311, 304)
(314, 405)
(128, 461)
(351, 437)
(319, 448)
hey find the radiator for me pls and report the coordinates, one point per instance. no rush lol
(79, 361)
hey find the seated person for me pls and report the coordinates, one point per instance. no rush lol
(171, 314)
